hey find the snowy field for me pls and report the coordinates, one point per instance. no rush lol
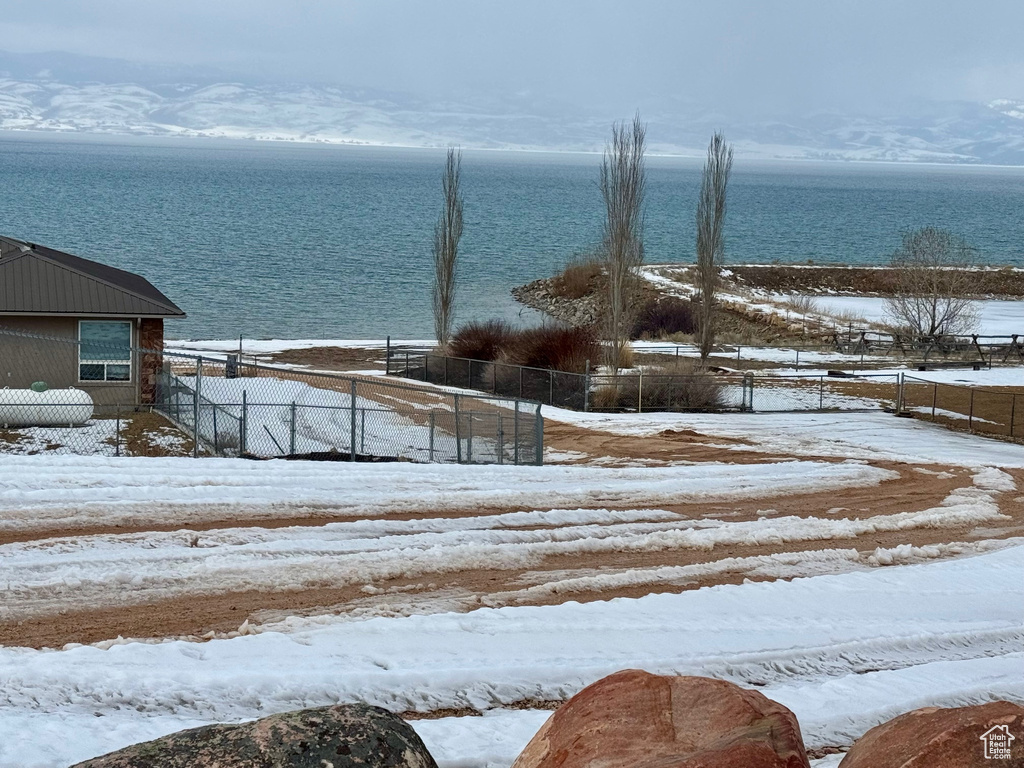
(996, 317)
(827, 590)
(861, 436)
(843, 652)
(248, 347)
(77, 491)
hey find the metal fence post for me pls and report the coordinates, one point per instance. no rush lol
(970, 415)
(352, 423)
(821, 393)
(387, 357)
(586, 386)
(362, 430)
(538, 426)
(501, 442)
(1013, 409)
(935, 396)
(430, 453)
(515, 437)
(469, 440)
(458, 436)
(640, 394)
(291, 433)
(216, 441)
(243, 425)
(117, 433)
(195, 404)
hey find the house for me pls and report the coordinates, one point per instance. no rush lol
(72, 322)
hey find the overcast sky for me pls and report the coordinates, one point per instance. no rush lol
(724, 55)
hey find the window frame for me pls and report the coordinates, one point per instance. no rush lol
(129, 361)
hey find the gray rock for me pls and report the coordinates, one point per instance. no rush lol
(343, 736)
(537, 295)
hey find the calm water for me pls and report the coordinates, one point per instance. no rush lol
(318, 242)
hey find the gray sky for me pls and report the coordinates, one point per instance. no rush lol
(725, 55)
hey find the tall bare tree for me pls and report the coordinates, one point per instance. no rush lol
(447, 233)
(711, 235)
(932, 284)
(623, 179)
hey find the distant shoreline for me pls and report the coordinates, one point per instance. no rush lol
(694, 156)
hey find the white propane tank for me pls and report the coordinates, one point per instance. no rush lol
(50, 408)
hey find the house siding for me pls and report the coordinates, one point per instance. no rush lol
(24, 359)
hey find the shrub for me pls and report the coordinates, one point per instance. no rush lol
(626, 357)
(578, 277)
(605, 397)
(664, 317)
(557, 348)
(804, 304)
(680, 388)
(481, 341)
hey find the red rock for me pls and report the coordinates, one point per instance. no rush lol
(634, 719)
(942, 738)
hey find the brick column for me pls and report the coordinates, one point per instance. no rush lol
(151, 339)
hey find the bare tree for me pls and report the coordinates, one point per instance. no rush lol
(711, 235)
(623, 178)
(932, 283)
(447, 233)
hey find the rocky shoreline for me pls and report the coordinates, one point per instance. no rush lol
(542, 296)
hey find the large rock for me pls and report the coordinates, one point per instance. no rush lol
(329, 737)
(638, 720)
(943, 738)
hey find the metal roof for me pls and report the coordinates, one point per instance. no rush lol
(36, 280)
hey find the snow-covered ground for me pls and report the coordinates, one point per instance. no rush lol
(248, 347)
(844, 652)
(869, 435)
(52, 492)
(90, 572)
(997, 317)
(856, 637)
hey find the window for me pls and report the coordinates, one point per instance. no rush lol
(105, 353)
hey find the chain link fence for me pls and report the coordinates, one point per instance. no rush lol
(831, 392)
(694, 392)
(162, 403)
(996, 412)
(860, 349)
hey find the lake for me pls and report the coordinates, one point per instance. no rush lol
(314, 241)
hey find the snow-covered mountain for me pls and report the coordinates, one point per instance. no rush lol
(62, 92)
